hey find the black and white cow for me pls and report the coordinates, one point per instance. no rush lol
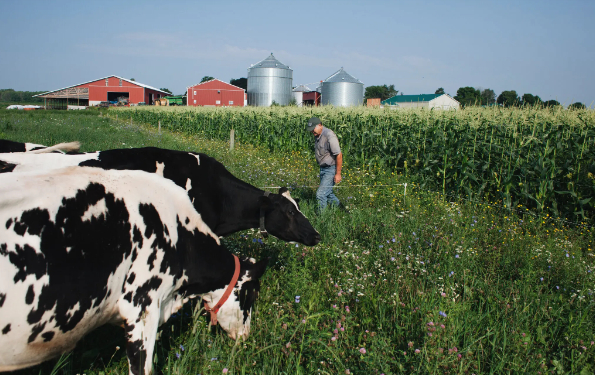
(83, 247)
(226, 203)
(12, 146)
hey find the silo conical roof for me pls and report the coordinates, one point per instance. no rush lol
(270, 62)
(342, 76)
(302, 88)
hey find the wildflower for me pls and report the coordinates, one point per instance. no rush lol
(347, 308)
(342, 329)
(442, 314)
(225, 370)
(455, 349)
(417, 351)
(442, 326)
(410, 344)
(284, 325)
(347, 372)
(392, 259)
(333, 338)
(443, 294)
(362, 350)
(335, 331)
(213, 359)
(297, 299)
(459, 356)
(303, 321)
(178, 355)
(182, 347)
(288, 345)
(431, 323)
(456, 256)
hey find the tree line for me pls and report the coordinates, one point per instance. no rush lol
(470, 96)
(12, 96)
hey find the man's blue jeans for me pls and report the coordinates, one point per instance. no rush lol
(325, 194)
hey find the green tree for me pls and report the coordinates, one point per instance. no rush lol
(166, 90)
(468, 96)
(240, 82)
(508, 98)
(488, 97)
(383, 92)
(551, 103)
(206, 78)
(577, 105)
(530, 99)
(132, 79)
(440, 91)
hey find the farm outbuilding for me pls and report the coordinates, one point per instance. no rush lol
(112, 89)
(304, 96)
(430, 101)
(216, 93)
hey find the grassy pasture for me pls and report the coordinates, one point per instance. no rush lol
(416, 283)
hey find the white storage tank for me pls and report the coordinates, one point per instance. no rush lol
(342, 90)
(269, 81)
(298, 94)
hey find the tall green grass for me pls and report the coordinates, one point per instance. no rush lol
(539, 158)
(412, 284)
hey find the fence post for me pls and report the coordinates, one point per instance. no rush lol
(159, 128)
(231, 140)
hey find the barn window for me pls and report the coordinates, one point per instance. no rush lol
(120, 82)
(194, 92)
(194, 101)
(231, 102)
(107, 81)
(217, 101)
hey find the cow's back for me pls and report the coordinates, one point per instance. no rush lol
(68, 240)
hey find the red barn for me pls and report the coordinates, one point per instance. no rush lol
(108, 89)
(216, 93)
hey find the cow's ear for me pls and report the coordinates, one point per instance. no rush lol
(264, 202)
(258, 268)
(6, 167)
(283, 190)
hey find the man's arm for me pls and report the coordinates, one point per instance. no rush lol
(339, 161)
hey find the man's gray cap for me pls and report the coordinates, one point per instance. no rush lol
(312, 123)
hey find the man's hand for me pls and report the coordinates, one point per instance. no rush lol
(338, 178)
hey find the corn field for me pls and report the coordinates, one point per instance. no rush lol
(535, 159)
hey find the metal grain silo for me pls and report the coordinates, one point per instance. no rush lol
(269, 81)
(342, 90)
(298, 94)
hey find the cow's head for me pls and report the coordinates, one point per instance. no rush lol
(284, 220)
(234, 315)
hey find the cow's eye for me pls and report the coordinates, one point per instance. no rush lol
(292, 212)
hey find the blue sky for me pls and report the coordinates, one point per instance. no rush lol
(546, 48)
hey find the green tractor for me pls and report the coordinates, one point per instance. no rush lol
(176, 99)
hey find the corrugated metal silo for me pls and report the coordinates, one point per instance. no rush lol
(269, 81)
(342, 90)
(298, 94)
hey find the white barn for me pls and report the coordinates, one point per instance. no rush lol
(430, 101)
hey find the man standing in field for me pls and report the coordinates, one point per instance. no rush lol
(329, 158)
